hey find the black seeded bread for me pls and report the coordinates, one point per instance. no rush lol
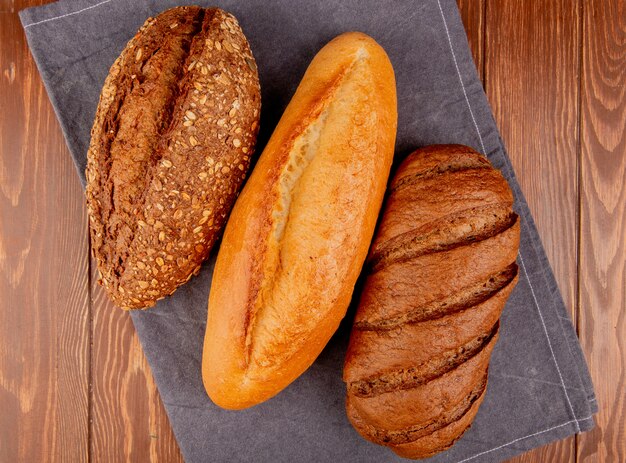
(170, 147)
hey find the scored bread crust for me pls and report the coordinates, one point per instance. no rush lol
(299, 233)
(439, 272)
(170, 146)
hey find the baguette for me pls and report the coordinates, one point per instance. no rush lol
(170, 146)
(440, 270)
(298, 235)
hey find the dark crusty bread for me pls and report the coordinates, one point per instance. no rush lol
(440, 270)
(170, 147)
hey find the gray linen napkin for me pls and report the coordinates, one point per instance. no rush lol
(539, 387)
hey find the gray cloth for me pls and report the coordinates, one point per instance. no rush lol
(539, 387)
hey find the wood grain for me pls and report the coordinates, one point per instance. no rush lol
(13, 6)
(473, 16)
(536, 109)
(63, 399)
(129, 422)
(602, 278)
(44, 317)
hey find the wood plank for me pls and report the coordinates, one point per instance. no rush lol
(13, 6)
(44, 308)
(129, 422)
(602, 278)
(473, 16)
(124, 388)
(536, 109)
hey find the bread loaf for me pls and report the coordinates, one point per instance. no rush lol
(299, 233)
(170, 147)
(440, 270)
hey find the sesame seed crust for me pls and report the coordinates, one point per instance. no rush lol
(170, 147)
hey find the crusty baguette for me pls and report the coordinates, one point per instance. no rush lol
(299, 233)
(441, 268)
(170, 147)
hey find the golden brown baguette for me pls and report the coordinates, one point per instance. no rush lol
(170, 146)
(299, 233)
(440, 270)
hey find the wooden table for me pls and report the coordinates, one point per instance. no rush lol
(74, 383)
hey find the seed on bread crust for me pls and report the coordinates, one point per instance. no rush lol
(155, 133)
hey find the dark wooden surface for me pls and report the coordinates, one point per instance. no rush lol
(536, 109)
(74, 383)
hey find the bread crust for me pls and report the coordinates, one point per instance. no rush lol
(299, 233)
(170, 146)
(403, 416)
(440, 270)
